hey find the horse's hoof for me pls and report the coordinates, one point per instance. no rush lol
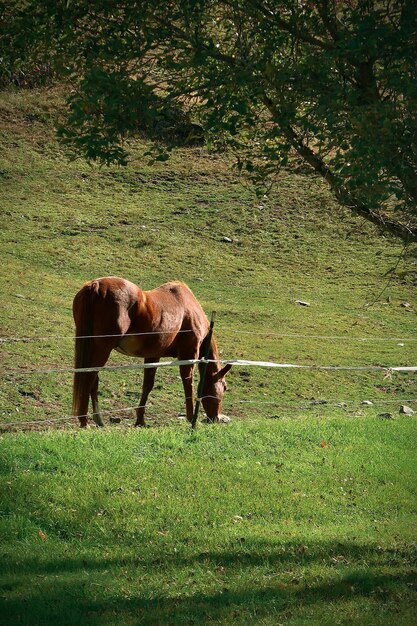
(220, 419)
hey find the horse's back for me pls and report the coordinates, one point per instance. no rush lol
(177, 297)
(175, 291)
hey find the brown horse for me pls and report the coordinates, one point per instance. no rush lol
(114, 314)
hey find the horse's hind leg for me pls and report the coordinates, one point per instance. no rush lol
(186, 372)
(86, 384)
(94, 399)
(83, 382)
(148, 381)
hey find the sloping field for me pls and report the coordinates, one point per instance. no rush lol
(301, 509)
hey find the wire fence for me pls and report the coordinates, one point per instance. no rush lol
(4, 340)
(387, 370)
(277, 404)
(301, 405)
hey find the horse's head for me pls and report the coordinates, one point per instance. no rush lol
(214, 388)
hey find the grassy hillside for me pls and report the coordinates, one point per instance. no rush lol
(64, 223)
(301, 510)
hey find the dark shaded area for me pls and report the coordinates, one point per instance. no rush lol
(68, 586)
(172, 124)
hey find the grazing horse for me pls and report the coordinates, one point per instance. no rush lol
(114, 314)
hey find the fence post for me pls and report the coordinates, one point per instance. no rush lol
(203, 370)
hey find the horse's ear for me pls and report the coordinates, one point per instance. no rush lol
(222, 373)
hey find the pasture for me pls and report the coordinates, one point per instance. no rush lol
(302, 509)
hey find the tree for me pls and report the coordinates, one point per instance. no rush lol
(333, 81)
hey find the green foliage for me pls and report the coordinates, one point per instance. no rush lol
(109, 106)
(333, 82)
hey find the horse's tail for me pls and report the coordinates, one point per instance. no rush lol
(83, 310)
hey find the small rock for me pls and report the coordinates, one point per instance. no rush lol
(115, 420)
(302, 302)
(224, 419)
(406, 410)
(387, 416)
(367, 402)
(227, 240)
(19, 295)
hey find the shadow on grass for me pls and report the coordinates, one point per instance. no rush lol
(68, 606)
(97, 591)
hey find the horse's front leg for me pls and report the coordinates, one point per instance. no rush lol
(148, 382)
(186, 372)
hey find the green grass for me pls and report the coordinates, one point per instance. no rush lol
(300, 510)
(252, 523)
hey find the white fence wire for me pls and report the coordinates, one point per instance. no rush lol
(386, 369)
(238, 362)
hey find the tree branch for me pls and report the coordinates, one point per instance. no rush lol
(287, 27)
(342, 194)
